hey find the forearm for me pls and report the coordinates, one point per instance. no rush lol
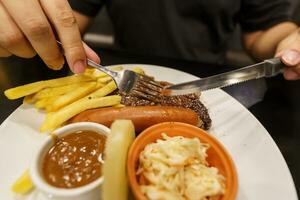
(263, 44)
(83, 21)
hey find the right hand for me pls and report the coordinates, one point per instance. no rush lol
(28, 27)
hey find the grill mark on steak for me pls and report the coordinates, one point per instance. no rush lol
(190, 101)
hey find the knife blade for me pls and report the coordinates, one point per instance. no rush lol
(267, 68)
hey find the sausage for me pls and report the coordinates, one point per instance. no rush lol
(141, 116)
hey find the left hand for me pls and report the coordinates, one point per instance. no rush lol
(289, 51)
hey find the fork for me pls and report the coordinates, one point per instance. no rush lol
(130, 82)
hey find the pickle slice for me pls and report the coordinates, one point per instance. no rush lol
(120, 138)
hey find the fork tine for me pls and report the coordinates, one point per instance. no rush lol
(147, 91)
(146, 85)
(142, 94)
(150, 80)
(147, 88)
(156, 84)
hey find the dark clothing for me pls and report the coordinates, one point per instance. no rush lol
(192, 29)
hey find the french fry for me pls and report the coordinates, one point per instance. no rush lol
(93, 72)
(105, 79)
(56, 119)
(74, 95)
(89, 71)
(138, 70)
(63, 98)
(116, 68)
(55, 91)
(49, 103)
(29, 99)
(41, 103)
(28, 89)
(23, 184)
(119, 105)
(45, 102)
(105, 90)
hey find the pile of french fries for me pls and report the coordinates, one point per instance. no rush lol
(63, 98)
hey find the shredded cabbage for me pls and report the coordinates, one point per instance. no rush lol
(176, 168)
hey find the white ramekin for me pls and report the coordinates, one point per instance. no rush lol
(90, 191)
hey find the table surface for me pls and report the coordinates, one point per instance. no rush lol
(278, 111)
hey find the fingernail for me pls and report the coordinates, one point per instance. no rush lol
(91, 53)
(79, 66)
(57, 65)
(291, 57)
(290, 74)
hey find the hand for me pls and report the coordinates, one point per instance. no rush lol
(289, 52)
(29, 26)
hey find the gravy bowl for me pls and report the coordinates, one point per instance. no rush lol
(89, 191)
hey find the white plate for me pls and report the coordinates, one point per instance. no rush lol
(262, 170)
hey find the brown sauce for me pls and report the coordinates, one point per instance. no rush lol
(74, 160)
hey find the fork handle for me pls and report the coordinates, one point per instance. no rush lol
(102, 68)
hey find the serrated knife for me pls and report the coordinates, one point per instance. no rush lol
(267, 68)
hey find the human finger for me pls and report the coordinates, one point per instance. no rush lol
(4, 52)
(291, 58)
(11, 38)
(61, 16)
(289, 52)
(30, 18)
(291, 74)
(91, 54)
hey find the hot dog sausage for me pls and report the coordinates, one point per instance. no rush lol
(141, 116)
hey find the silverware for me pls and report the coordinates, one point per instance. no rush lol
(267, 68)
(130, 82)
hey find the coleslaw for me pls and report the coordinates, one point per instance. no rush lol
(176, 168)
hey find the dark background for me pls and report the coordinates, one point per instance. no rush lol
(279, 112)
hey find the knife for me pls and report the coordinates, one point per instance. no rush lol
(267, 68)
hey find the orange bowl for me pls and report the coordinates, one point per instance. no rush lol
(217, 154)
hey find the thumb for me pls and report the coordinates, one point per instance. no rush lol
(288, 50)
(290, 57)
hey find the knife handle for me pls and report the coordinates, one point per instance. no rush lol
(273, 67)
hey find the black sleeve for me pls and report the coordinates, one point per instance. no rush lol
(262, 14)
(86, 7)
